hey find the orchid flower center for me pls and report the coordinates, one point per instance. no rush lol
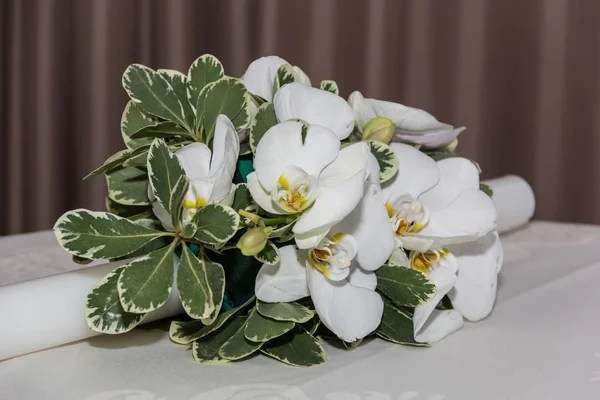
(191, 206)
(295, 190)
(333, 256)
(407, 215)
(424, 262)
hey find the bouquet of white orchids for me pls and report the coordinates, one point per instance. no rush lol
(282, 215)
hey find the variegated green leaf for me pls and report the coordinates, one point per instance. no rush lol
(269, 255)
(134, 120)
(103, 310)
(128, 186)
(186, 332)
(200, 283)
(284, 75)
(80, 260)
(177, 195)
(312, 325)
(386, 158)
(297, 348)
(242, 199)
(166, 130)
(206, 350)
(397, 325)
(261, 329)
(238, 346)
(282, 231)
(330, 86)
(100, 235)
(117, 159)
(126, 211)
(285, 311)
(213, 224)
(164, 171)
(405, 286)
(154, 94)
(206, 69)
(145, 283)
(263, 120)
(179, 82)
(487, 189)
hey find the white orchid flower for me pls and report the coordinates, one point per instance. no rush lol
(337, 273)
(432, 205)
(260, 76)
(310, 176)
(210, 173)
(413, 125)
(472, 292)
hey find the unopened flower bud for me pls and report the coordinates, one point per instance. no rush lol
(380, 129)
(451, 147)
(252, 242)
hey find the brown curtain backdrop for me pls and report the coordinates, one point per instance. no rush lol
(521, 75)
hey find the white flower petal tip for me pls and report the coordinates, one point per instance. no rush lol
(260, 75)
(195, 160)
(316, 107)
(285, 281)
(440, 324)
(433, 139)
(475, 289)
(351, 312)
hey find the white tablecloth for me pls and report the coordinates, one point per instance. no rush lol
(541, 342)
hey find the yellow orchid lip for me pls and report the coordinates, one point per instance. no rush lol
(199, 203)
(404, 224)
(292, 199)
(422, 261)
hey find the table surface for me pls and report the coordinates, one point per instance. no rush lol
(541, 342)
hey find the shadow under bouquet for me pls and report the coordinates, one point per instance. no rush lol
(282, 215)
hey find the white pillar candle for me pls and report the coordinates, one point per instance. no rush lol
(49, 312)
(514, 201)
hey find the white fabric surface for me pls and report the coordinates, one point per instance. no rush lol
(541, 342)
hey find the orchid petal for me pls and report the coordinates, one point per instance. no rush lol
(163, 216)
(373, 171)
(261, 196)
(200, 188)
(349, 311)
(417, 172)
(282, 146)
(369, 224)
(406, 118)
(226, 147)
(315, 106)
(399, 257)
(416, 243)
(284, 281)
(195, 160)
(433, 139)
(456, 175)
(478, 265)
(260, 76)
(311, 239)
(361, 278)
(469, 217)
(440, 324)
(363, 112)
(443, 277)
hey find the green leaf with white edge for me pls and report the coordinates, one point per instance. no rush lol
(80, 260)
(200, 283)
(103, 310)
(213, 224)
(164, 171)
(269, 255)
(292, 311)
(405, 286)
(297, 348)
(134, 120)
(206, 350)
(128, 186)
(177, 195)
(184, 332)
(263, 120)
(216, 280)
(261, 329)
(117, 159)
(166, 130)
(227, 96)
(179, 82)
(206, 69)
(145, 283)
(238, 346)
(487, 189)
(330, 86)
(281, 231)
(154, 94)
(312, 325)
(126, 211)
(284, 75)
(396, 325)
(101, 235)
(386, 158)
(242, 200)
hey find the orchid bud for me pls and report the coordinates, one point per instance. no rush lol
(451, 147)
(380, 129)
(252, 242)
